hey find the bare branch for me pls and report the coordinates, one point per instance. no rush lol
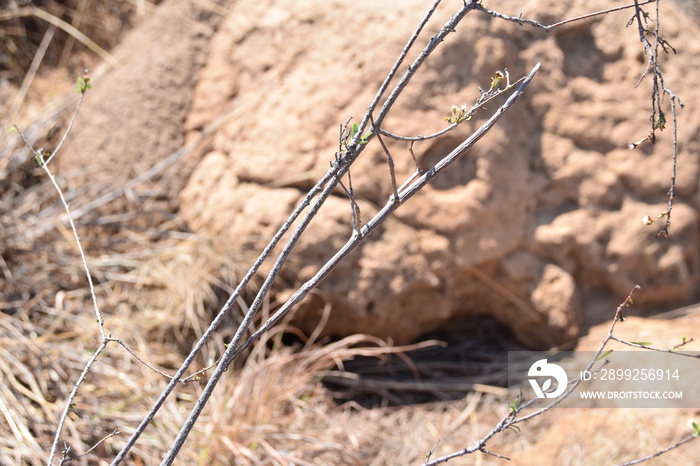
(520, 404)
(672, 190)
(659, 453)
(65, 459)
(520, 20)
(597, 13)
(71, 398)
(389, 159)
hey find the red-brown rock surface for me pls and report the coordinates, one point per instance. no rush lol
(540, 225)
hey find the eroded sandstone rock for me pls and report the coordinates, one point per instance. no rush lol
(538, 225)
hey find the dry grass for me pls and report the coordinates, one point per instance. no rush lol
(82, 26)
(273, 409)
(44, 45)
(158, 286)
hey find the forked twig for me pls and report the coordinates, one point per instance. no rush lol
(658, 90)
(389, 160)
(43, 158)
(343, 140)
(66, 459)
(355, 213)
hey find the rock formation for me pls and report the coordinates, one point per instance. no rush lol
(540, 225)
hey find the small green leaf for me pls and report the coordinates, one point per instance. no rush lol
(660, 122)
(696, 427)
(496, 79)
(83, 84)
(515, 404)
(14, 129)
(604, 355)
(355, 129)
(641, 343)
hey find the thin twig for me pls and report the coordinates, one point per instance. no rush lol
(71, 398)
(461, 113)
(83, 257)
(484, 450)
(510, 421)
(89, 450)
(659, 453)
(660, 350)
(67, 132)
(136, 356)
(520, 20)
(354, 207)
(659, 89)
(413, 156)
(516, 19)
(432, 450)
(389, 160)
(672, 190)
(597, 13)
(39, 156)
(419, 138)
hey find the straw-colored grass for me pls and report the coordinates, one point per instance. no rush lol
(157, 291)
(272, 409)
